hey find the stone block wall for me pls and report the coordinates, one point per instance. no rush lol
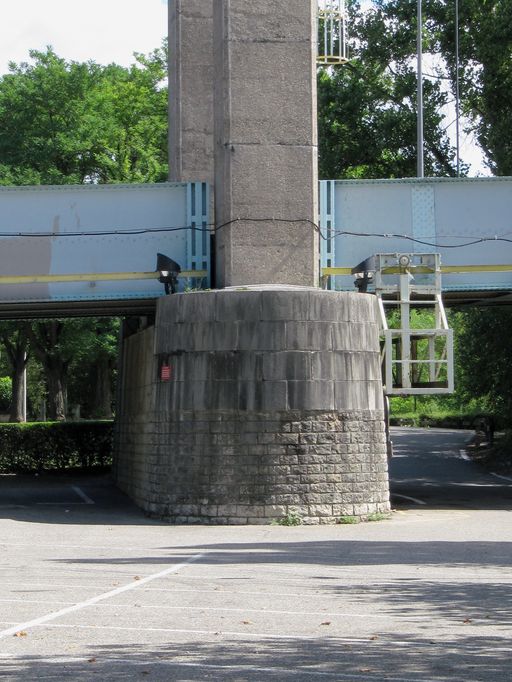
(274, 407)
(135, 437)
(228, 469)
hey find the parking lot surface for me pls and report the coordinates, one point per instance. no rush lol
(92, 589)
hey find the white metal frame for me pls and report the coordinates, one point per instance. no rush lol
(406, 281)
(332, 47)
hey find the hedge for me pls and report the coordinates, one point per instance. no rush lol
(446, 421)
(43, 446)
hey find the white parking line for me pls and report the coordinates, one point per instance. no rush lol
(81, 494)
(94, 600)
(505, 478)
(406, 497)
(262, 611)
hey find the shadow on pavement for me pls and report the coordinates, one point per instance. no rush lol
(386, 657)
(69, 499)
(338, 553)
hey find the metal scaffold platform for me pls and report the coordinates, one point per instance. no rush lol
(417, 344)
(332, 33)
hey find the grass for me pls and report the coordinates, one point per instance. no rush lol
(348, 519)
(378, 516)
(291, 519)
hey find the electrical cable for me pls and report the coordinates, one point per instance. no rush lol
(330, 234)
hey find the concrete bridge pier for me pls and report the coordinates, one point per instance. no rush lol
(271, 399)
(274, 408)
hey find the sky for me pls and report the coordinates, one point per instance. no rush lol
(104, 31)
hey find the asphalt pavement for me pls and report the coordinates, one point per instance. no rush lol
(430, 467)
(92, 589)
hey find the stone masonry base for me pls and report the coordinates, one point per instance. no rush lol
(258, 468)
(272, 408)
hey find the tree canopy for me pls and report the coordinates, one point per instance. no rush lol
(485, 72)
(71, 123)
(368, 108)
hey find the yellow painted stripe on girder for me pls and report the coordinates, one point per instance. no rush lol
(93, 277)
(454, 269)
(326, 272)
(422, 269)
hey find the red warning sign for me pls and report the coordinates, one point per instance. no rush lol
(165, 372)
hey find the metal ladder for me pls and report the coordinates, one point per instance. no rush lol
(416, 361)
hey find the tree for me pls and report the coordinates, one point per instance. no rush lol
(367, 109)
(484, 363)
(69, 123)
(78, 358)
(47, 342)
(15, 343)
(92, 369)
(485, 31)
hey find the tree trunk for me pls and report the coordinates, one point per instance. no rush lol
(102, 408)
(45, 345)
(56, 392)
(17, 413)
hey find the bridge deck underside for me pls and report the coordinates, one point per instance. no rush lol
(65, 309)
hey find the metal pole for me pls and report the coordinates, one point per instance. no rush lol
(421, 168)
(457, 86)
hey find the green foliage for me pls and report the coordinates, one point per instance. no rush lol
(54, 445)
(499, 457)
(385, 37)
(71, 123)
(348, 520)
(5, 393)
(378, 516)
(367, 109)
(485, 31)
(97, 341)
(291, 519)
(484, 357)
(351, 520)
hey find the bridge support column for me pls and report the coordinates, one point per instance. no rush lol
(191, 74)
(271, 400)
(274, 407)
(266, 142)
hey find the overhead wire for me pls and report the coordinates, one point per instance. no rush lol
(324, 234)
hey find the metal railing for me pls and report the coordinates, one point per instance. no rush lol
(332, 33)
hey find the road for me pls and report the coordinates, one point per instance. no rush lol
(93, 590)
(431, 468)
